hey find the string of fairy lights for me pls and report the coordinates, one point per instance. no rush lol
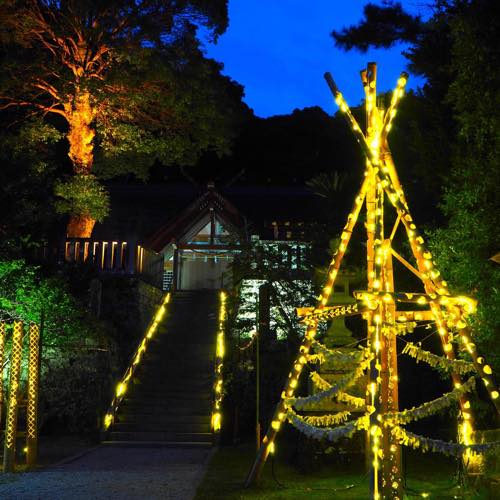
(122, 386)
(216, 420)
(378, 307)
(15, 397)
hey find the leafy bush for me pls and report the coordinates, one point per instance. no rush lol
(76, 355)
(82, 195)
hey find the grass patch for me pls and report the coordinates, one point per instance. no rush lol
(229, 466)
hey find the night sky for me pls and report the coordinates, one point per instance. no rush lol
(279, 50)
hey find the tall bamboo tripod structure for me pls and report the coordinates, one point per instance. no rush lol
(378, 304)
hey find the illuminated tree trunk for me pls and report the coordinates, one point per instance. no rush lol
(80, 115)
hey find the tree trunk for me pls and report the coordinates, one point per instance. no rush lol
(80, 115)
(80, 226)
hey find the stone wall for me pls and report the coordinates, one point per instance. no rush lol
(128, 304)
(148, 299)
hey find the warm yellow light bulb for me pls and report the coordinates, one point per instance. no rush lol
(108, 420)
(121, 389)
(216, 422)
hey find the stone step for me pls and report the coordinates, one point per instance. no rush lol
(174, 373)
(170, 391)
(191, 437)
(172, 400)
(171, 427)
(172, 367)
(179, 356)
(162, 418)
(158, 444)
(153, 383)
(180, 408)
(170, 397)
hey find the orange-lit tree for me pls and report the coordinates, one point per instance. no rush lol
(126, 81)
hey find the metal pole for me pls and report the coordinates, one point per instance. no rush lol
(257, 391)
(257, 378)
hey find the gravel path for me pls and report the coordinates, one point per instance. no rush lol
(107, 472)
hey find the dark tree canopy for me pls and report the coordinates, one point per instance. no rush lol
(127, 82)
(382, 26)
(447, 134)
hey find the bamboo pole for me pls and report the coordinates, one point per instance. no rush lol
(373, 220)
(433, 283)
(392, 465)
(292, 381)
(382, 391)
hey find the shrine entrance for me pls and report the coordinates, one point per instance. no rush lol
(204, 269)
(198, 246)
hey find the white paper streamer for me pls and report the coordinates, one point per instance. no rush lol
(456, 365)
(342, 384)
(407, 438)
(328, 433)
(431, 407)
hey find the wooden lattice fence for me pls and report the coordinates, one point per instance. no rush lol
(19, 342)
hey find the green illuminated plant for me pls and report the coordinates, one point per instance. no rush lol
(82, 195)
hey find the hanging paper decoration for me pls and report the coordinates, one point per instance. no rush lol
(315, 358)
(339, 358)
(431, 407)
(328, 433)
(323, 420)
(380, 307)
(342, 384)
(319, 381)
(354, 401)
(456, 365)
(415, 441)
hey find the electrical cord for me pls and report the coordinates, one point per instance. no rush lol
(281, 485)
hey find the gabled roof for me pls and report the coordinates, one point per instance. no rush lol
(177, 227)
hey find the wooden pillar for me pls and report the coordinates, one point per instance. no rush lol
(70, 251)
(129, 256)
(2, 352)
(392, 486)
(80, 256)
(108, 256)
(33, 388)
(369, 80)
(10, 434)
(176, 268)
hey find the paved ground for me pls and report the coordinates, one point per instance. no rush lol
(106, 472)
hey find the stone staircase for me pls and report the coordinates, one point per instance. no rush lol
(169, 400)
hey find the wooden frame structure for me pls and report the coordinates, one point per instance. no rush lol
(378, 304)
(14, 399)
